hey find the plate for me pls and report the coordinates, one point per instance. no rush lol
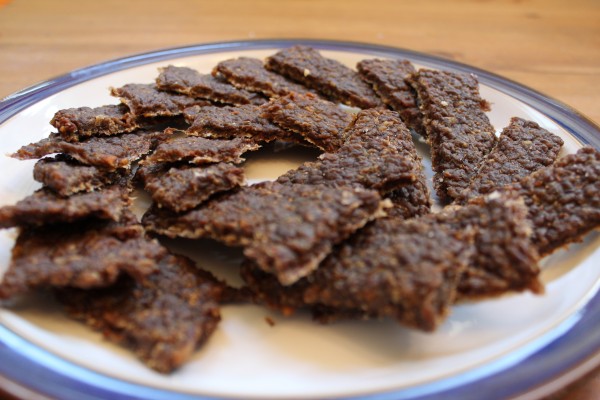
(511, 346)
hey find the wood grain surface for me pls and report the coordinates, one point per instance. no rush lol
(552, 46)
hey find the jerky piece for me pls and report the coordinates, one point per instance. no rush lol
(378, 154)
(389, 79)
(563, 200)
(183, 188)
(205, 86)
(286, 230)
(45, 207)
(199, 150)
(146, 100)
(84, 255)
(412, 200)
(250, 74)
(108, 153)
(163, 318)
(523, 148)
(230, 122)
(318, 121)
(66, 176)
(329, 77)
(458, 130)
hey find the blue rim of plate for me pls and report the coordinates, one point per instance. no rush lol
(561, 355)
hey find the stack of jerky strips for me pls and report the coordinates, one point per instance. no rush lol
(349, 235)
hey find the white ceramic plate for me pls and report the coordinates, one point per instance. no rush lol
(504, 347)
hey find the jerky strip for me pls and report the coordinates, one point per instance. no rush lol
(286, 230)
(410, 200)
(523, 148)
(190, 82)
(163, 318)
(457, 128)
(329, 77)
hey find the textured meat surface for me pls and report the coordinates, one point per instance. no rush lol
(412, 200)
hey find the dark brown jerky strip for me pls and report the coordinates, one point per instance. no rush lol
(411, 200)
(163, 318)
(46, 207)
(286, 229)
(85, 255)
(318, 121)
(109, 153)
(250, 74)
(204, 86)
(458, 130)
(389, 79)
(183, 188)
(378, 154)
(329, 77)
(146, 100)
(66, 176)
(563, 200)
(523, 148)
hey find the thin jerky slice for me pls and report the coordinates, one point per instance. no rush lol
(85, 255)
(146, 100)
(329, 77)
(411, 200)
(46, 207)
(459, 132)
(185, 187)
(163, 318)
(285, 229)
(109, 153)
(523, 148)
(250, 74)
(389, 79)
(318, 121)
(204, 86)
(66, 176)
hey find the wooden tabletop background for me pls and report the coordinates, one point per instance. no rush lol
(552, 46)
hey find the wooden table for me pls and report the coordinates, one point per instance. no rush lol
(552, 46)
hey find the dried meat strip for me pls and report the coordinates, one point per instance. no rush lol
(250, 74)
(389, 79)
(412, 200)
(192, 83)
(318, 121)
(523, 148)
(285, 229)
(459, 132)
(163, 317)
(329, 77)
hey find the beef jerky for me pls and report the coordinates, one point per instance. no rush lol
(109, 153)
(85, 255)
(250, 74)
(147, 101)
(523, 148)
(457, 128)
(378, 154)
(318, 121)
(204, 86)
(412, 200)
(46, 207)
(286, 230)
(66, 176)
(332, 79)
(185, 187)
(163, 318)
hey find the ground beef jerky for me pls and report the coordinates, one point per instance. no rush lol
(194, 84)
(109, 153)
(87, 254)
(250, 74)
(318, 121)
(163, 318)
(457, 128)
(411, 200)
(389, 79)
(182, 188)
(285, 229)
(147, 101)
(523, 148)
